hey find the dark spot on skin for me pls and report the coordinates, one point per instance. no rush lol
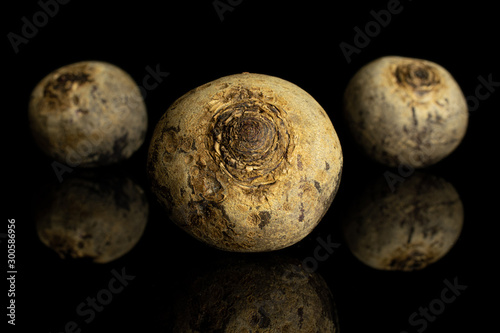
(176, 129)
(327, 167)
(261, 318)
(73, 77)
(80, 245)
(301, 216)
(300, 313)
(412, 230)
(255, 319)
(64, 82)
(317, 185)
(299, 162)
(415, 121)
(264, 219)
(208, 221)
(329, 201)
(116, 155)
(205, 211)
(409, 262)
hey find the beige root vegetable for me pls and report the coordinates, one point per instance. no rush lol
(405, 230)
(405, 111)
(88, 114)
(96, 217)
(268, 296)
(246, 163)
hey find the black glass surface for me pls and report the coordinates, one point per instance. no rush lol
(161, 279)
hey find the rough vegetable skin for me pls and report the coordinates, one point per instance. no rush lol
(245, 163)
(405, 230)
(405, 111)
(88, 114)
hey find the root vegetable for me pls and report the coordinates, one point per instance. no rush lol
(406, 230)
(274, 295)
(88, 114)
(405, 111)
(246, 163)
(95, 216)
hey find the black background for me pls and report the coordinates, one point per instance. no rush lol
(299, 42)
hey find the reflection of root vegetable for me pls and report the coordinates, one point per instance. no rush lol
(269, 296)
(98, 219)
(408, 229)
(246, 163)
(88, 114)
(405, 111)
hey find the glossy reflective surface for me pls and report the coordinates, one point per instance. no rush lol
(96, 215)
(398, 251)
(404, 228)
